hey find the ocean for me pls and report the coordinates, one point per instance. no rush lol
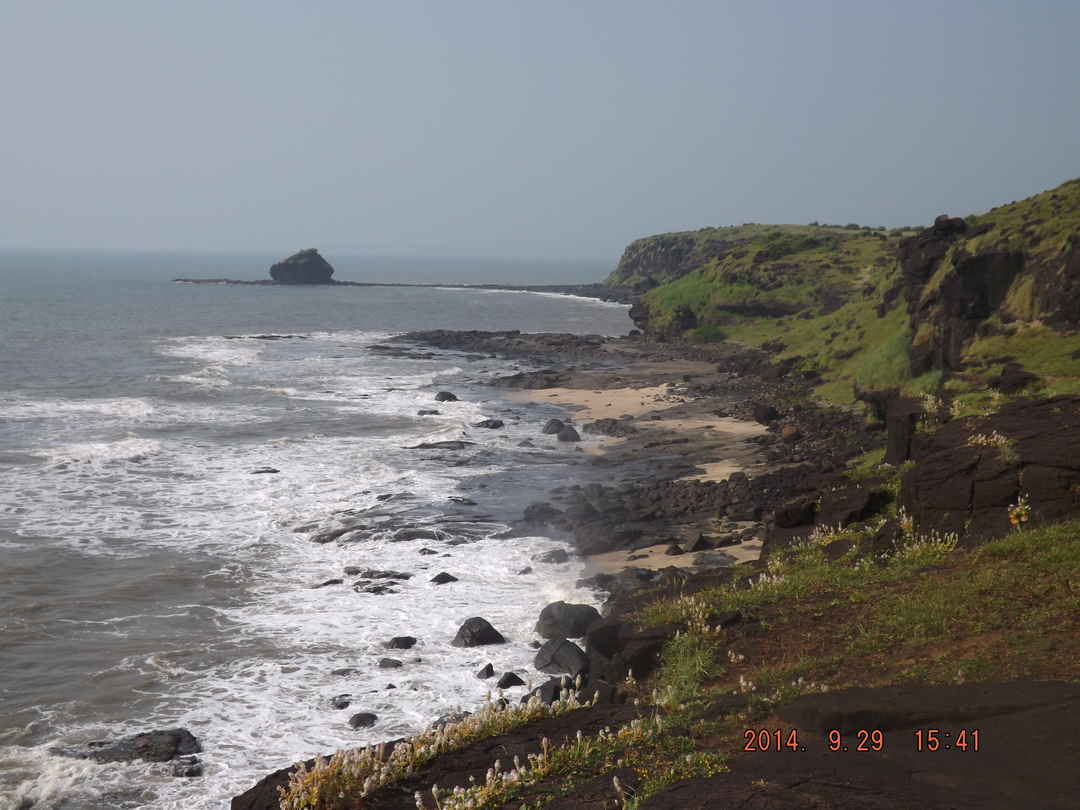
(150, 577)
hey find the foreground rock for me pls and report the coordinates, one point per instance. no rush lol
(565, 620)
(305, 267)
(560, 656)
(151, 746)
(476, 632)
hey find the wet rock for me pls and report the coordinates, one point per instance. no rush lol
(568, 434)
(476, 632)
(489, 424)
(401, 643)
(452, 444)
(485, 672)
(340, 701)
(343, 671)
(427, 551)
(553, 426)
(151, 746)
(265, 471)
(363, 720)
(540, 514)
(376, 588)
(390, 663)
(445, 396)
(508, 680)
(331, 535)
(187, 767)
(525, 443)
(561, 656)
(374, 573)
(556, 555)
(565, 620)
(327, 582)
(427, 412)
(461, 501)
(526, 570)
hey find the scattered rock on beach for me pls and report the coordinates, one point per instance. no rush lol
(611, 427)
(401, 643)
(476, 632)
(340, 701)
(445, 396)
(389, 663)
(508, 680)
(556, 555)
(553, 426)
(561, 656)
(443, 578)
(485, 672)
(566, 620)
(490, 424)
(568, 434)
(363, 720)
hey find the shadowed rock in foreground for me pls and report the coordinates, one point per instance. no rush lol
(305, 267)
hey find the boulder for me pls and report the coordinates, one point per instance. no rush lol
(402, 535)
(451, 444)
(374, 573)
(765, 414)
(390, 663)
(340, 701)
(443, 578)
(565, 620)
(305, 267)
(618, 648)
(568, 434)
(553, 426)
(611, 427)
(490, 424)
(363, 720)
(540, 514)
(476, 632)
(485, 672)
(508, 680)
(550, 690)
(265, 471)
(556, 555)
(325, 583)
(427, 412)
(401, 643)
(445, 396)
(561, 656)
(151, 746)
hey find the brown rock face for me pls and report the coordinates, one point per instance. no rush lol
(305, 267)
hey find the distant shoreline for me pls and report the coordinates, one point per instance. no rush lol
(621, 295)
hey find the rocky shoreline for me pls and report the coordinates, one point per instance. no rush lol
(662, 521)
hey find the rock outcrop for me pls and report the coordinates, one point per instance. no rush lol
(305, 267)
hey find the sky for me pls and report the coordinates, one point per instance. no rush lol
(533, 129)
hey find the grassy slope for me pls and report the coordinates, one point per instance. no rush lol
(852, 344)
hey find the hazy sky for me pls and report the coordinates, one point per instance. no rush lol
(504, 128)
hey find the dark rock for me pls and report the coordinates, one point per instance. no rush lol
(556, 555)
(451, 444)
(476, 632)
(553, 426)
(561, 656)
(611, 427)
(363, 720)
(508, 680)
(526, 570)
(526, 443)
(790, 433)
(490, 424)
(550, 690)
(702, 543)
(486, 671)
(340, 701)
(401, 643)
(374, 573)
(390, 663)
(851, 504)
(376, 589)
(461, 501)
(673, 550)
(565, 620)
(618, 648)
(1013, 377)
(265, 471)
(305, 267)
(427, 412)
(765, 414)
(427, 551)
(442, 578)
(326, 583)
(901, 419)
(568, 434)
(187, 767)
(798, 511)
(540, 514)
(151, 746)
(445, 396)
(343, 671)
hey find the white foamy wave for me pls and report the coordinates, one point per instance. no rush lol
(581, 298)
(217, 351)
(129, 449)
(131, 408)
(34, 777)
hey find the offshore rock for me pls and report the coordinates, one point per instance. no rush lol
(152, 746)
(476, 632)
(305, 267)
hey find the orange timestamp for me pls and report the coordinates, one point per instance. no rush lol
(863, 739)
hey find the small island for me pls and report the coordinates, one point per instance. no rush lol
(304, 267)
